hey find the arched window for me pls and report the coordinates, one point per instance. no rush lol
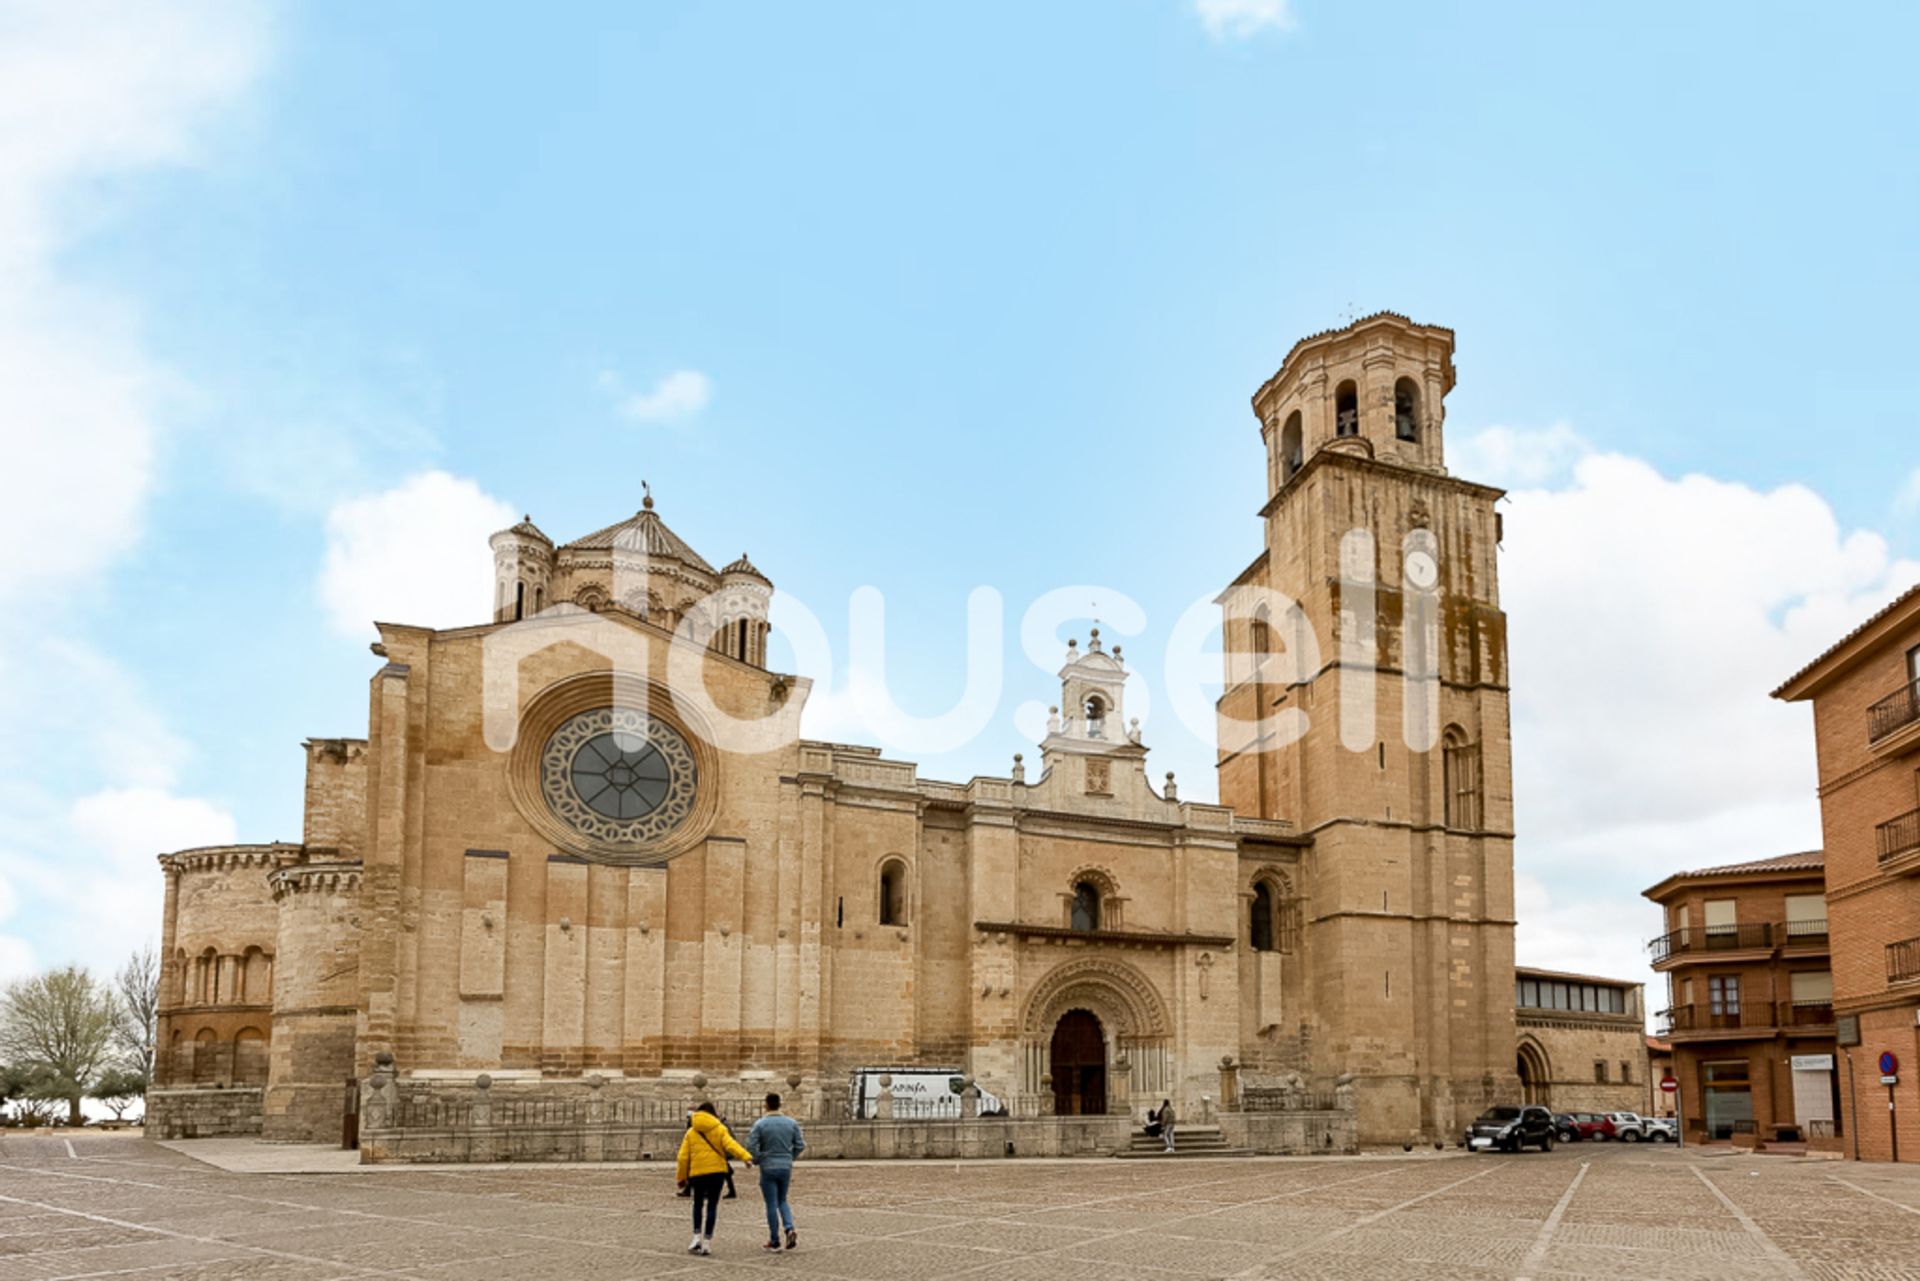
(1262, 632)
(1292, 452)
(1406, 410)
(1460, 762)
(1086, 906)
(1346, 410)
(893, 892)
(1096, 713)
(519, 601)
(1260, 933)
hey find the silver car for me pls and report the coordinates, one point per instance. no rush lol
(1660, 1129)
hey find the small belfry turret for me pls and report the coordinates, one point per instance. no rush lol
(1088, 731)
(522, 571)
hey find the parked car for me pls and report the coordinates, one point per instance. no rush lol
(1628, 1127)
(1566, 1127)
(1661, 1129)
(1510, 1129)
(1594, 1125)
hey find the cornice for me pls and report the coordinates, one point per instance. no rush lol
(328, 878)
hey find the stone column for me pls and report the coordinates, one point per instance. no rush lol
(1120, 1097)
(481, 1143)
(593, 1144)
(1229, 1085)
(1046, 1094)
(970, 1102)
(883, 1107)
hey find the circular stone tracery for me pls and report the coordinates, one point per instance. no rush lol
(618, 775)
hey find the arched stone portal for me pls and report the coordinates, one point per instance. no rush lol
(1130, 1018)
(1077, 1059)
(1536, 1079)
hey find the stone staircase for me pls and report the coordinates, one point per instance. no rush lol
(1189, 1141)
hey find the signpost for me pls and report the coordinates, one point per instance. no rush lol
(1890, 1077)
(1671, 1086)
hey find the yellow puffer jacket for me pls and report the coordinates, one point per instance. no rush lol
(700, 1149)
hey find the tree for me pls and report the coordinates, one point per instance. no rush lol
(31, 1092)
(138, 988)
(60, 1023)
(118, 1087)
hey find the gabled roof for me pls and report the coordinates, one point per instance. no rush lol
(645, 532)
(1909, 597)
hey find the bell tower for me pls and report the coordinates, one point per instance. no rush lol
(1366, 703)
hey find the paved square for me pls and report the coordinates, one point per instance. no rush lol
(113, 1207)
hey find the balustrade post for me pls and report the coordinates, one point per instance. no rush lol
(482, 1143)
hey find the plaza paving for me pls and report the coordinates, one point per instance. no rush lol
(121, 1207)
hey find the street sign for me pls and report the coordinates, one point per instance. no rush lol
(1668, 1084)
(1888, 1063)
(1846, 1030)
(1889, 1079)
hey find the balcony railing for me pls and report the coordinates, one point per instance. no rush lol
(1894, 712)
(1710, 1018)
(1898, 836)
(1711, 938)
(1805, 1013)
(1903, 961)
(1806, 933)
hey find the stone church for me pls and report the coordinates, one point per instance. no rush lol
(585, 836)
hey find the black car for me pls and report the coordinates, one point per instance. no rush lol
(1566, 1127)
(1511, 1129)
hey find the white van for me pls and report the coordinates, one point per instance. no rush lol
(919, 1093)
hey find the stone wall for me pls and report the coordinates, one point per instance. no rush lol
(316, 1001)
(1291, 1133)
(202, 1114)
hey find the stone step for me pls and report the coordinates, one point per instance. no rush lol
(1157, 1153)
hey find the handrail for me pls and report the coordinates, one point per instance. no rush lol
(1896, 711)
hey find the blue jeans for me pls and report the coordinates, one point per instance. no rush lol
(774, 1186)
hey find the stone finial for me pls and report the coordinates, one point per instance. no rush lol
(793, 1080)
(1093, 642)
(1019, 768)
(1173, 789)
(483, 1082)
(699, 1080)
(1116, 653)
(595, 1080)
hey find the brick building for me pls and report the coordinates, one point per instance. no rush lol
(1865, 693)
(586, 836)
(1582, 1041)
(1659, 1067)
(1750, 998)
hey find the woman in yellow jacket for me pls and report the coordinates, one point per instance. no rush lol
(703, 1164)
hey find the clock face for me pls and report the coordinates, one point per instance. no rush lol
(1422, 572)
(618, 775)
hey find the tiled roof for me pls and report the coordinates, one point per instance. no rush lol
(745, 566)
(1806, 861)
(644, 531)
(1849, 638)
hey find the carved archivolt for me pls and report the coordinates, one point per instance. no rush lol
(1281, 883)
(1119, 995)
(1102, 879)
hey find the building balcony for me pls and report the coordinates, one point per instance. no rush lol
(1893, 723)
(1719, 943)
(1726, 1023)
(1897, 841)
(1903, 961)
(1805, 1016)
(1804, 935)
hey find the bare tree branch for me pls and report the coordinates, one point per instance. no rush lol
(62, 1023)
(138, 988)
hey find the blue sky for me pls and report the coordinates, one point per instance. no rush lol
(298, 297)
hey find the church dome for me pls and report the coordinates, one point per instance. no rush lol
(646, 533)
(743, 568)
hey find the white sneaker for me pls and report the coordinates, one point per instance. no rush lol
(706, 1245)
(695, 1247)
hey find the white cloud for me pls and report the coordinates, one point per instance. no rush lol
(1513, 458)
(1650, 618)
(1239, 19)
(89, 91)
(416, 554)
(678, 396)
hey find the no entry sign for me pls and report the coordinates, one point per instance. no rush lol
(1668, 1084)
